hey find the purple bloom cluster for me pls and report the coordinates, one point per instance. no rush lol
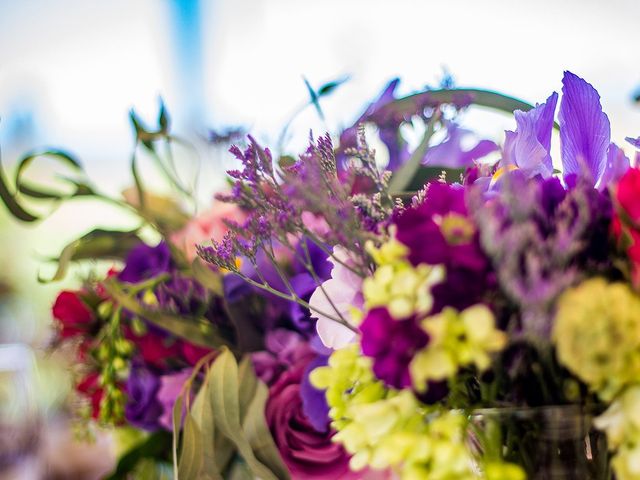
(440, 231)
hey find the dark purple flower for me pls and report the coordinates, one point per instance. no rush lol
(143, 410)
(144, 262)
(540, 238)
(439, 231)
(391, 358)
(584, 130)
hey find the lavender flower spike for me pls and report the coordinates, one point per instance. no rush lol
(585, 132)
(528, 147)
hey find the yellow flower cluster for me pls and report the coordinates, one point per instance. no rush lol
(457, 339)
(396, 284)
(390, 429)
(597, 335)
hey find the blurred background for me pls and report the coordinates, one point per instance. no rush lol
(71, 70)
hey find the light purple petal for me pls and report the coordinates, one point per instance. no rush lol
(633, 141)
(617, 164)
(528, 147)
(585, 132)
(450, 154)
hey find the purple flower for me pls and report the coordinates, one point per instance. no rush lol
(584, 130)
(144, 262)
(283, 348)
(633, 141)
(585, 134)
(528, 147)
(540, 238)
(450, 154)
(314, 401)
(391, 358)
(170, 387)
(439, 231)
(388, 128)
(143, 409)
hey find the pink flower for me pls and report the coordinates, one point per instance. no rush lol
(207, 226)
(307, 452)
(170, 389)
(336, 297)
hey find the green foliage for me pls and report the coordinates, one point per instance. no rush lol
(98, 244)
(225, 434)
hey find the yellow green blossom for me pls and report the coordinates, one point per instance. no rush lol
(621, 423)
(396, 284)
(457, 339)
(384, 428)
(597, 335)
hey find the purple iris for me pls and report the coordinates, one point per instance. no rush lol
(451, 154)
(585, 137)
(144, 262)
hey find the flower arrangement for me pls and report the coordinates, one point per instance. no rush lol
(332, 318)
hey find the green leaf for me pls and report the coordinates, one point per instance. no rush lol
(329, 87)
(11, 203)
(257, 432)
(154, 447)
(38, 191)
(176, 422)
(313, 98)
(97, 244)
(226, 410)
(248, 384)
(164, 119)
(191, 462)
(196, 330)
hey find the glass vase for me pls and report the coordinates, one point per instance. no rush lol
(549, 443)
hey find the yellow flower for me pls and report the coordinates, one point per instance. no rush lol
(457, 339)
(597, 335)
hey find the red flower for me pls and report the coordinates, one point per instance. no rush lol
(193, 353)
(72, 313)
(90, 388)
(628, 194)
(156, 349)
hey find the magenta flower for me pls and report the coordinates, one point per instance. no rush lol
(391, 358)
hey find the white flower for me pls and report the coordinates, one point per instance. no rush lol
(337, 297)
